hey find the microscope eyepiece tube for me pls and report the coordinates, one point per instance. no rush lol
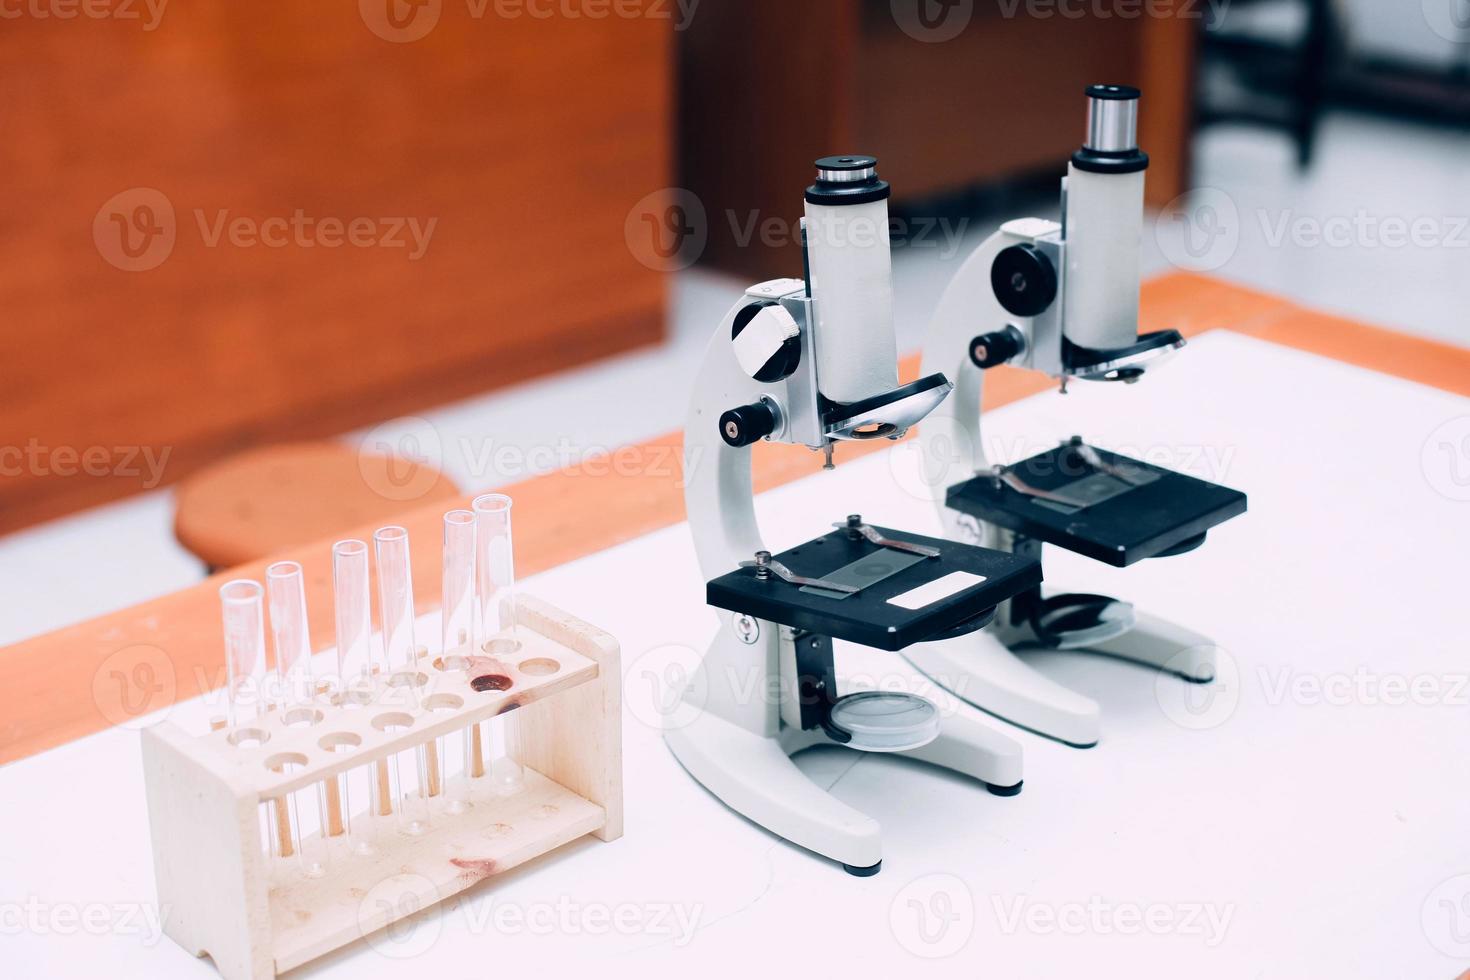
(1104, 224)
(1112, 119)
(851, 279)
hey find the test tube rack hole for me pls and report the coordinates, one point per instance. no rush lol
(229, 898)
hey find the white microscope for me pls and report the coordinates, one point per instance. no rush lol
(1061, 299)
(809, 362)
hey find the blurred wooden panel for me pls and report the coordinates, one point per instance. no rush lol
(993, 95)
(519, 145)
(1003, 98)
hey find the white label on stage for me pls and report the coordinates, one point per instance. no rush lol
(940, 588)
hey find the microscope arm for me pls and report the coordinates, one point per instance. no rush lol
(950, 438)
(718, 490)
(979, 667)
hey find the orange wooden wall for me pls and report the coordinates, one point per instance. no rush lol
(525, 140)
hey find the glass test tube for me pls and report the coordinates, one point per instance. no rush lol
(458, 764)
(286, 595)
(243, 613)
(353, 614)
(285, 591)
(495, 575)
(395, 597)
(459, 582)
(354, 620)
(395, 604)
(496, 636)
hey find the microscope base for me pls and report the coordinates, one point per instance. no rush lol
(754, 776)
(984, 672)
(1156, 642)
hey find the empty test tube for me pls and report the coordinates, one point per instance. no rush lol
(354, 620)
(395, 604)
(242, 610)
(458, 764)
(243, 613)
(285, 591)
(496, 633)
(459, 582)
(495, 576)
(395, 596)
(286, 596)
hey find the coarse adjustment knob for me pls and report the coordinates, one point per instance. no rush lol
(748, 424)
(995, 348)
(1024, 280)
(767, 342)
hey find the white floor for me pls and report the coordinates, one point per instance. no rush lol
(1251, 221)
(1303, 816)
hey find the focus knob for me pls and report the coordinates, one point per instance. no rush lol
(767, 342)
(991, 349)
(747, 424)
(1024, 280)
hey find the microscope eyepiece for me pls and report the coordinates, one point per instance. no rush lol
(1112, 119)
(847, 180)
(847, 170)
(1119, 93)
(1111, 144)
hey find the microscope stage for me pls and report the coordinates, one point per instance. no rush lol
(902, 598)
(1134, 512)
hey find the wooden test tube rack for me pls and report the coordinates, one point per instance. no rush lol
(228, 898)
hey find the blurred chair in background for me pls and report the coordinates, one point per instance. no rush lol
(1268, 62)
(268, 500)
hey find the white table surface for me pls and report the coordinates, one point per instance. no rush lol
(1309, 817)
